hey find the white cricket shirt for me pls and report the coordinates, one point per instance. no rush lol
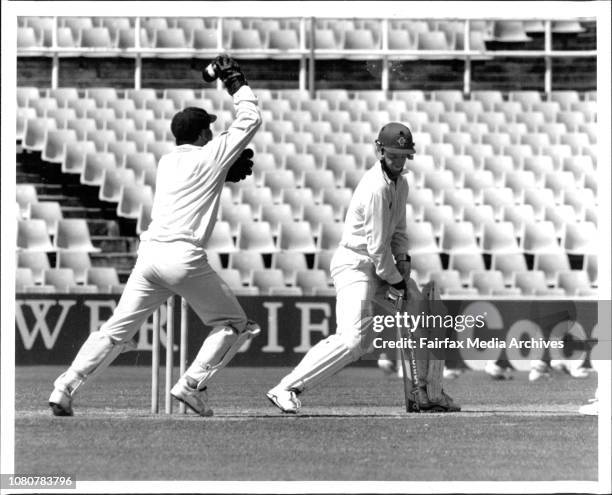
(375, 224)
(190, 179)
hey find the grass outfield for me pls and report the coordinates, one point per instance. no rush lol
(351, 428)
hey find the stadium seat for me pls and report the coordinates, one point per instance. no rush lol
(574, 282)
(434, 40)
(32, 236)
(25, 194)
(551, 264)
(338, 199)
(23, 114)
(256, 197)
(323, 259)
(437, 216)
(519, 215)
(478, 181)
(487, 281)
(113, 180)
(256, 237)
(499, 238)
(559, 182)
(499, 198)
(78, 261)
(246, 262)
(290, 262)
(561, 215)
(160, 148)
(518, 152)
(580, 199)
(539, 165)
(537, 140)
(53, 148)
(35, 132)
(278, 181)
(539, 199)
(499, 165)
(221, 240)
(49, 211)
(277, 214)
(447, 280)
(27, 39)
(478, 152)
(105, 278)
(61, 278)
(437, 130)
(465, 264)
(477, 215)
(96, 37)
(540, 237)
(25, 94)
(421, 238)
(316, 215)
(75, 154)
(590, 265)
(237, 214)
(144, 218)
(120, 149)
(458, 237)
(423, 264)
(23, 279)
(95, 165)
(314, 282)
(245, 39)
(121, 126)
(73, 235)
(457, 198)
(530, 281)
(82, 127)
(101, 138)
(564, 98)
(579, 166)
(163, 108)
(270, 280)
(459, 165)
(131, 198)
(488, 98)
(284, 40)
(296, 236)
(493, 119)
(330, 235)
(300, 140)
(519, 180)
(101, 95)
(581, 238)
(144, 166)
(526, 98)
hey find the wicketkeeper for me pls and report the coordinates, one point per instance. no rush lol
(172, 253)
(372, 258)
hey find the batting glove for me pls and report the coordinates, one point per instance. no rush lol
(242, 167)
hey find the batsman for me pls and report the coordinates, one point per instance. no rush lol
(371, 264)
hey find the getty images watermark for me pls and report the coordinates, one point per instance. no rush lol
(494, 329)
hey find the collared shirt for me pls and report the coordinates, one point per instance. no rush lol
(375, 223)
(190, 179)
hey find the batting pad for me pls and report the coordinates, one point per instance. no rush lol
(218, 349)
(322, 361)
(429, 371)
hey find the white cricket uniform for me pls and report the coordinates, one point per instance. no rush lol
(171, 256)
(362, 269)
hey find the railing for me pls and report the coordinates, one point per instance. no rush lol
(308, 56)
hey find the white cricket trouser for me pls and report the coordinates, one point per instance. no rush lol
(360, 295)
(162, 269)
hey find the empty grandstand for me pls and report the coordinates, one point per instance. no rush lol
(506, 138)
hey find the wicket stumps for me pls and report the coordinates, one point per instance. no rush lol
(169, 364)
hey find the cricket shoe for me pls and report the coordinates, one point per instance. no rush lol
(419, 402)
(573, 371)
(538, 371)
(388, 366)
(60, 402)
(496, 372)
(194, 399)
(590, 409)
(285, 400)
(451, 373)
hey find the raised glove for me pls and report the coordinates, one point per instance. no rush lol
(242, 167)
(230, 74)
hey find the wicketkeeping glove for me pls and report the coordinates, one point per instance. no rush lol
(230, 73)
(242, 167)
